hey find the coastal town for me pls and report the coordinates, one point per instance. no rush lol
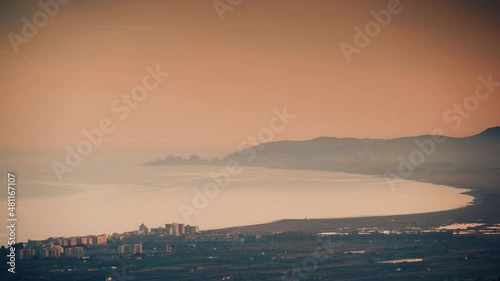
(182, 252)
(73, 247)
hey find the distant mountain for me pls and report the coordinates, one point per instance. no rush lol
(412, 156)
(491, 133)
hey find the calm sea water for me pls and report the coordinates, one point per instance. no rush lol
(107, 197)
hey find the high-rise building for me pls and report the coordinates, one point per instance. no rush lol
(143, 229)
(128, 249)
(182, 229)
(137, 249)
(169, 230)
(192, 229)
(97, 240)
(85, 240)
(124, 249)
(26, 253)
(53, 251)
(73, 252)
(175, 229)
(102, 239)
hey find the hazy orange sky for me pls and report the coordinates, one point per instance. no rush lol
(227, 76)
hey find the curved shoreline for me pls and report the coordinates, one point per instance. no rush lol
(482, 208)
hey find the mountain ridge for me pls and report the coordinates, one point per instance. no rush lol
(442, 154)
(492, 131)
(422, 155)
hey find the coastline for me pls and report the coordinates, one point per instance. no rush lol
(476, 209)
(482, 208)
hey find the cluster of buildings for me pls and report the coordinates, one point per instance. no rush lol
(170, 229)
(26, 253)
(130, 249)
(71, 247)
(52, 251)
(84, 240)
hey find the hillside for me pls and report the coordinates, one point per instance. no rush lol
(408, 156)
